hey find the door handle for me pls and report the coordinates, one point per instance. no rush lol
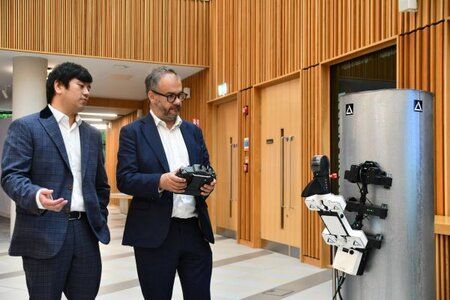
(291, 138)
(282, 139)
(231, 179)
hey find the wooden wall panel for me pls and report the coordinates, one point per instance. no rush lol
(351, 24)
(224, 17)
(196, 107)
(313, 248)
(442, 267)
(278, 43)
(310, 29)
(112, 147)
(253, 41)
(172, 31)
(247, 56)
(429, 12)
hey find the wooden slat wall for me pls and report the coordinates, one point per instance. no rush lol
(247, 20)
(265, 46)
(310, 30)
(196, 107)
(172, 31)
(424, 63)
(442, 267)
(112, 147)
(349, 25)
(224, 17)
(429, 12)
(312, 244)
(279, 41)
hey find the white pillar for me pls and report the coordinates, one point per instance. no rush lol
(29, 93)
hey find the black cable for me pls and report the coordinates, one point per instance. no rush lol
(338, 290)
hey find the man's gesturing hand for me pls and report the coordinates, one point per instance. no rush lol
(45, 197)
(172, 183)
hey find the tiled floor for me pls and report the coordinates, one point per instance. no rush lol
(239, 272)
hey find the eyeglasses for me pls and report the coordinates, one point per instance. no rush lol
(172, 97)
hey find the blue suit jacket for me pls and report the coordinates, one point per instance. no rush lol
(141, 162)
(34, 157)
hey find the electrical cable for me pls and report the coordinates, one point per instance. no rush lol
(338, 290)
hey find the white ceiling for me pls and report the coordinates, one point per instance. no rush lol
(112, 78)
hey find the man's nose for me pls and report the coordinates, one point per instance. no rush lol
(177, 101)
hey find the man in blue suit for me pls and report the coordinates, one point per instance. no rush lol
(169, 231)
(53, 168)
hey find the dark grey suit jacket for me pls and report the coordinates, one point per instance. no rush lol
(141, 162)
(34, 157)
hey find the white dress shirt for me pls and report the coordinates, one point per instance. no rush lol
(177, 157)
(71, 138)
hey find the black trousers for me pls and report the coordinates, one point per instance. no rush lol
(75, 270)
(184, 251)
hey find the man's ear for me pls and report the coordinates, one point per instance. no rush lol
(57, 85)
(151, 97)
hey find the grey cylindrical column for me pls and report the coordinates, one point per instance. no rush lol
(29, 93)
(396, 129)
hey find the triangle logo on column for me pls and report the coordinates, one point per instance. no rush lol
(418, 105)
(349, 109)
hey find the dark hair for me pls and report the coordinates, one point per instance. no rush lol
(64, 73)
(152, 79)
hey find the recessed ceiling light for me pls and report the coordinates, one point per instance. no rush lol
(108, 115)
(92, 119)
(101, 126)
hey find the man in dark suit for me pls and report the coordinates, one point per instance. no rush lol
(168, 230)
(53, 168)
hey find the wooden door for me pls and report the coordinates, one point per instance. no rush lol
(227, 169)
(280, 164)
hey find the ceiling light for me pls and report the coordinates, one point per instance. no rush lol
(107, 115)
(92, 119)
(101, 126)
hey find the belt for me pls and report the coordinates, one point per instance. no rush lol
(76, 215)
(188, 220)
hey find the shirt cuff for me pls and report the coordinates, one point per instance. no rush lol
(39, 204)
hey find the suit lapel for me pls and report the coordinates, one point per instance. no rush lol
(151, 135)
(50, 125)
(85, 142)
(188, 141)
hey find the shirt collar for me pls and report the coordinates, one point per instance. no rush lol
(59, 116)
(160, 122)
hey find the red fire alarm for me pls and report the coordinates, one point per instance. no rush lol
(245, 110)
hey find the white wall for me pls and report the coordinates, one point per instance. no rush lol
(5, 202)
